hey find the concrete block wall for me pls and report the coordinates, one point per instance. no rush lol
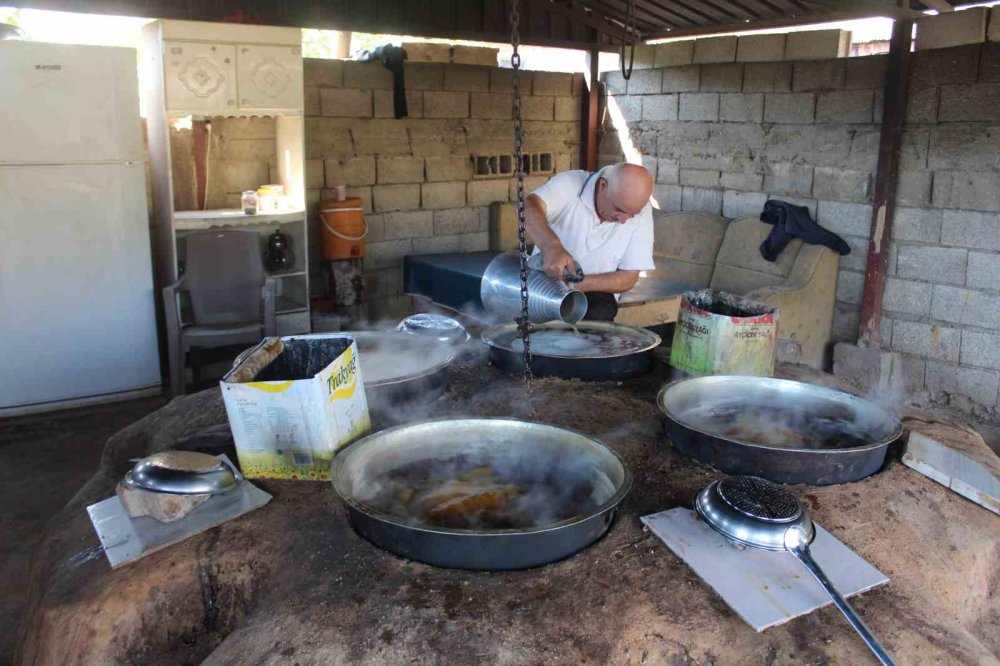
(414, 175)
(807, 131)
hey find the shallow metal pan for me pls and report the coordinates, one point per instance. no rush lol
(686, 402)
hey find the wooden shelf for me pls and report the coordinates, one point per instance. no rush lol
(206, 219)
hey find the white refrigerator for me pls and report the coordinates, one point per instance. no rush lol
(77, 319)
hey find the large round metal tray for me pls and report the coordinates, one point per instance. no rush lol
(401, 368)
(701, 410)
(624, 351)
(357, 469)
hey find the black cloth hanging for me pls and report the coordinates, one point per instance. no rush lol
(392, 58)
(791, 221)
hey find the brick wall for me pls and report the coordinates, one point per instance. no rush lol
(723, 137)
(414, 175)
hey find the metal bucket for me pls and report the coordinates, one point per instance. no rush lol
(548, 299)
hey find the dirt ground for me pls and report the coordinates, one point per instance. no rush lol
(293, 583)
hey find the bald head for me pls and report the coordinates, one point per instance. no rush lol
(623, 191)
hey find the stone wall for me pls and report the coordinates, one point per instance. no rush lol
(723, 137)
(414, 175)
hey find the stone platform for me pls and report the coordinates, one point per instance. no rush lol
(292, 583)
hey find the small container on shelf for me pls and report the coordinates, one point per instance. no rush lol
(249, 202)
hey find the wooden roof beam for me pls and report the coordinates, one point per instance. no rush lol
(940, 5)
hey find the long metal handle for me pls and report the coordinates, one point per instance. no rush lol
(866, 635)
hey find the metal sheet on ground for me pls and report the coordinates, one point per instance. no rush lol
(764, 588)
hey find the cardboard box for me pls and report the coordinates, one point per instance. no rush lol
(293, 402)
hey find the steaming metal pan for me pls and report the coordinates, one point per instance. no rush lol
(628, 354)
(357, 469)
(689, 406)
(400, 368)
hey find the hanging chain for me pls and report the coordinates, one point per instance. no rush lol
(628, 31)
(523, 322)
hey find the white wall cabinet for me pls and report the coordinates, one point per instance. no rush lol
(200, 77)
(269, 77)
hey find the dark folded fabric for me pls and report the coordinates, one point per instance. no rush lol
(392, 58)
(791, 221)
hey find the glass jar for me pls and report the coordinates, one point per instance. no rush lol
(250, 201)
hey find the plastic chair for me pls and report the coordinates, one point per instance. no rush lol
(232, 299)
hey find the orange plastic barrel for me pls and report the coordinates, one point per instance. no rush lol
(342, 229)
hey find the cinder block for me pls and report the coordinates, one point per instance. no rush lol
(945, 66)
(531, 183)
(856, 260)
(442, 195)
(723, 77)
(353, 171)
(681, 79)
(907, 297)
(537, 108)
(475, 55)
(696, 199)
(486, 191)
(645, 82)
(845, 106)
(385, 104)
(945, 380)
(915, 224)
(669, 198)
(767, 77)
(399, 169)
(846, 321)
(815, 75)
(866, 72)
(329, 138)
(446, 104)
(345, 103)
(456, 221)
(741, 107)
(845, 218)
(642, 57)
(870, 370)
(568, 109)
(952, 29)
(315, 175)
(742, 204)
(926, 340)
(424, 76)
(437, 138)
(667, 170)
(366, 75)
(817, 44)
(699, 106)
(552, 83)
(380, 137)
(364, 193)
(421, 52)
(699, 178)
(437, 244)
(614, 82)
(760, 48)
(376, 227)
(983, 271)
(962, 147)
(388, 253)
(715, 49)
(502, 80)
(788, 178)
(495, 105)
(474, 242)
(448, 167)
(968, 307)
(387, 198)
(980, 102)
(311, 104)
(629, 105)
(466, 78)
(849, 286)
(934, 264)
(674, 54)
(385, 283)
(979, 231)
(659, 107)
(993, 30)
(789, 108)
(323, 72)
(242, 175)
(410, 224)
(971, 190)
(579, 84)
(980, 349)
(913, 188)
(743, 181)
(841, 184)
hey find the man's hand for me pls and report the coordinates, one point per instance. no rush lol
(555, 260)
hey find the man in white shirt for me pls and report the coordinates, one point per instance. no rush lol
(603, 221)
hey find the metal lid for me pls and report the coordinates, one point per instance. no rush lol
(588, 339)
(441, 328)
(754, 512)
(183, 473)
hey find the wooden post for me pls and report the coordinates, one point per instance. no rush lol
(588, 128)
(897, 81)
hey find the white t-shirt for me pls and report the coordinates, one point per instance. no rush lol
(599, 247)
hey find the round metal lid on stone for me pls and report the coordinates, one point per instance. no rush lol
(441, 328)
(183, 473)
(759, 498)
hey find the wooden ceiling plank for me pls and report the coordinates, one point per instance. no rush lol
(672, 18)
(578, 14)
(644, 22)
(709, 12)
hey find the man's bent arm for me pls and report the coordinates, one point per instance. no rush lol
(536, 223)
(614, 283)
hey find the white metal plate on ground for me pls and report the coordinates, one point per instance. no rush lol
(764, 588)
(956, 469)
(127, 539)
